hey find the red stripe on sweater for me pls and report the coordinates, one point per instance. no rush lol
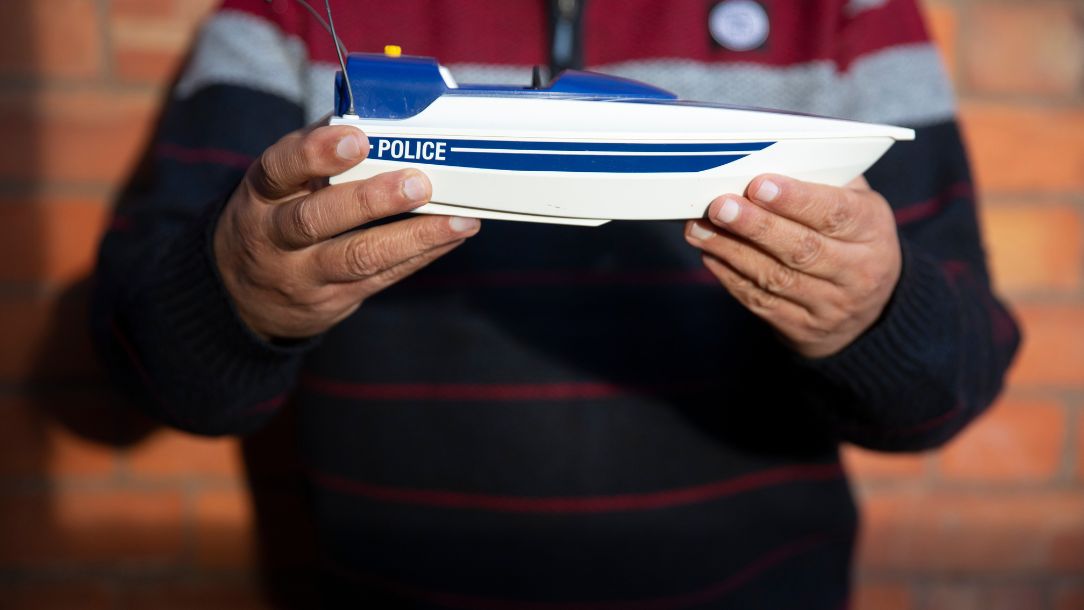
(931, 207)
(121, 223)
(502, 32)
(463, 391)
(919, 428)
(267, 406)
(570, 277)
(214, 156)
(580, 505)
(706, 595)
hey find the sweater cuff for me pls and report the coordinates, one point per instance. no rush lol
(191, 302)
(915, 337)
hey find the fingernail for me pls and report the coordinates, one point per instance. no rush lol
(414, 188)
(349, 147)
(463, 225)
(700, 232)
(767, 192)
(728, 212)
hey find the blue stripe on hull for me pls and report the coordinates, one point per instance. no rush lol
(612, 146)
(611, 157)
(593, 163)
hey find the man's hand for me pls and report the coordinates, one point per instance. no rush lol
(291, 254)
(818, 263)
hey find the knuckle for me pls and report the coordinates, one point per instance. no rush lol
(291, 291)
(778, 278)
(363, 258)
(372, 196)
(364, 199)
(305, 223)
(840, 216)
(432, 233)
(808, 249)
(268, 174)
(763, 301)
(831, 318)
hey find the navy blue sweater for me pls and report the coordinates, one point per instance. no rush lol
(555, 417)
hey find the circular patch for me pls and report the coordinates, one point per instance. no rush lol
(739, 25)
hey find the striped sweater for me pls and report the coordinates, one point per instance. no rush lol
(555, 417)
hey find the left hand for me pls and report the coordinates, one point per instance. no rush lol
(818, 263)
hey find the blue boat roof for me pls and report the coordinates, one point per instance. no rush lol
(400, 87)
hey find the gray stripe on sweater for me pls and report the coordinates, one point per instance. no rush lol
(903, 85)
(235, 48)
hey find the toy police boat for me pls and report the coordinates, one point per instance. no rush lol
(584, 149)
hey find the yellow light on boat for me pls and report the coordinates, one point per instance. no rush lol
(393, 50)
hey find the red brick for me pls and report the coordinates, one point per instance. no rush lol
(1069, 598)
(46, 339)
(151, 39)
(73, 135)
(186, 596)
(33, 444)
(1015, 441)
(1053, 353)
(867, 465)
(141, 9)
(114, 528)
(177, 454)
(53, 240)
(50, 39)
(56, 596)
(881, 596)
(141, 65)
(182, 11)
(1025, 148)
(1034, 247)
(1032, 48)
(942, 21)
(224, 530)
(930, 533)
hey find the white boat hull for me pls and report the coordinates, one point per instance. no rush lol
(520, 162)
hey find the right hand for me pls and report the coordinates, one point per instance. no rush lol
(291, 254)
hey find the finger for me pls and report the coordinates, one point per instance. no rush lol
(287, 166)
(777, 310)
(370, 252)
(795, 245)
(835, 212)
(765, 271)
(336, 209)
(390, 276)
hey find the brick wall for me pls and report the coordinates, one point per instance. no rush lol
(101, 512)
